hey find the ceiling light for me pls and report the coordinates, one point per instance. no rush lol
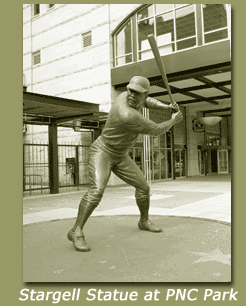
(209, 121)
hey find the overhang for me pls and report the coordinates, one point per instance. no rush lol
(39, 109)
(199, 77)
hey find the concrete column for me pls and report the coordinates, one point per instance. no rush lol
(192, 154)
(53, 159)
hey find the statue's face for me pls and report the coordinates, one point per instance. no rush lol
(136, 99)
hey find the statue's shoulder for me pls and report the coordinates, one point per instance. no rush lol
(124, 112)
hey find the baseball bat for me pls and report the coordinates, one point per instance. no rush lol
(160, 65)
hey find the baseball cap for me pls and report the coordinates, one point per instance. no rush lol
(139, 83)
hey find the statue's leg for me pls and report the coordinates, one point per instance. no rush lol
(129, 172)
(99, 173)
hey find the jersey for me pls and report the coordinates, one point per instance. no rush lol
(123, 126)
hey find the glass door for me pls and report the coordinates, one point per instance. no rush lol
(180, 162)
(156, 165)
(223, 161)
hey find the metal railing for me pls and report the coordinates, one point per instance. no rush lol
(72, 168)
(31, 183)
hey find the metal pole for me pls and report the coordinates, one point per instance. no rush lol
(146, 144)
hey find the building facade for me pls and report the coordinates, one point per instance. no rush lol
(88, 52)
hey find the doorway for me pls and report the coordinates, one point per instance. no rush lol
(214, 161)
(223, 161)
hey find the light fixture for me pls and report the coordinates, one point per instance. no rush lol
(209, 121)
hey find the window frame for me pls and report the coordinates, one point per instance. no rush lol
(175, 41)
(199, 35)
(115, 44)
(216, 30)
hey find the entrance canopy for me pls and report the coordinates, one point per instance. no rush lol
(57, 112)
(39, 109)
(199, 78)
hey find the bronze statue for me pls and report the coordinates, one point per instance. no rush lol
(109, 152)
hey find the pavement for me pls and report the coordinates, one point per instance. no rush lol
(195, 245)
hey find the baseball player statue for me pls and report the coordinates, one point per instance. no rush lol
(109, 152)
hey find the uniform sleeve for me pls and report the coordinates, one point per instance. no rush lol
(152, 103)
(139, 124)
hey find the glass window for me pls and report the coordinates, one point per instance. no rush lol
(185, 22)
(185, 44)
(173, 25)
(123, 45)
(180, 162)
(211, 140)
(123, 60)
(145, 28)
(165, 33)
(214, 19)
(214, 16)
(215, 36)
(146, 12)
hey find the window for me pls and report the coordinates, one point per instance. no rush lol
(185, 27)
(214, 22)
(174, 25)
(87, 39)
(145, 26)
(123, 45)
(36, 57)
(36, 9)
(212, 140)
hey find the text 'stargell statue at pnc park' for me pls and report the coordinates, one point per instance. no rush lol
(109, 152)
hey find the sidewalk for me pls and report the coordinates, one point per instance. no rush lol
(202, 197)
(195, 244)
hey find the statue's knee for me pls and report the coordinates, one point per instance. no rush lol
(98, 193)
(143, 193)
(94, 195)
(145, 190)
